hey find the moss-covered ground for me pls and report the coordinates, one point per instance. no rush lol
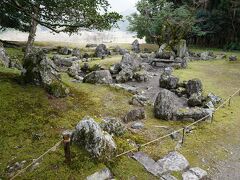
(32, 121)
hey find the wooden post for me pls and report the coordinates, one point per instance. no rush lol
(212, 117)
(66, 146)
(183, 136)
(229, 102)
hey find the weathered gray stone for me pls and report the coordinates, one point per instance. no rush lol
(98, 77)
(124, 75)
(168, 177)
(65, 51)
(137, 125)
(194, 86)
(91, 45)
(115, 69)
(167, 104)
(149, 164)
(104, 174)
(194, 174)
(214, 99)
(130, 61)
(4, 59)
(138, 100)
(76, 52)
(182, 48)
(120, 50)
(136, 46)
(174, 161)
(207, 55)
(97, 142)
(74, 70)
(134, 115)
(195, 100)
(126, 87)
(64, 62)
(232, 58)
(102, 51)
(193, 114)
(140, 76)
(168, 81)
(113, 126)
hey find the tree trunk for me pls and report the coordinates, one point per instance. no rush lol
(32, 32)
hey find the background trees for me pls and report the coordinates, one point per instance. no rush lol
(208, 23)
(56, 15)
(161, 22)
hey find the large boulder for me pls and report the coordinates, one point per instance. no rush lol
(113, 126)
(194, 86)
(232, 58)
(128, 65)
(182, 49)
(98, 77)
(120, 50)
(168, 81)
(39, 70)
(102, 51)
(140, 76)
(134, 115)
(97, 142)
(136, 46)
(4, 59)
(74, 70)
(167, 104)
(195, 173)
(195, 100)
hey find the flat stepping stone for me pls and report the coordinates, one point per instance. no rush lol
(149, 164)
(194, 174)
(174, 161)
(101, 175)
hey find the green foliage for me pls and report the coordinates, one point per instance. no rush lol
(64, 15)
(161, 22)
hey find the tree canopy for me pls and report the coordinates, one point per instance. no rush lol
(160, 21)
(57, 15)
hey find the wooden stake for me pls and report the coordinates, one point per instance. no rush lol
(212, 117)
(183, 136)
(66, 146)
(229, 102)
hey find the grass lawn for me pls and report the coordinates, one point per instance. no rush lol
(31, 122)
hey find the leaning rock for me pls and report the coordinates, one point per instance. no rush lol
(102, 51)
(167, 104)
(113, 126)
(194, 174)
(134, 115)
(39, 70)
(101, 175)
(98, 77)
(97, 142)
(168, 81)
(194, 86)
(195, 100)
(174, 161)
(4, 60)
(136, 46)
(233, 58)
(193, 114)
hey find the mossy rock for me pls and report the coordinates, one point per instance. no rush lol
(58, 90)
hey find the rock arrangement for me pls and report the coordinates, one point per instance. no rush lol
(102, 51)
(40, 70)
(183, 101)
(173, 162)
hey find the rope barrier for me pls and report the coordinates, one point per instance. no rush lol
(192, 124)
(36, 160)
(131, 150)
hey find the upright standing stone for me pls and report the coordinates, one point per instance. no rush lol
(182, 48)
(136, 46)
(4, 60)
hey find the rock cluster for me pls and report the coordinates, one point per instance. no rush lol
(4, 59)
(183, 101)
